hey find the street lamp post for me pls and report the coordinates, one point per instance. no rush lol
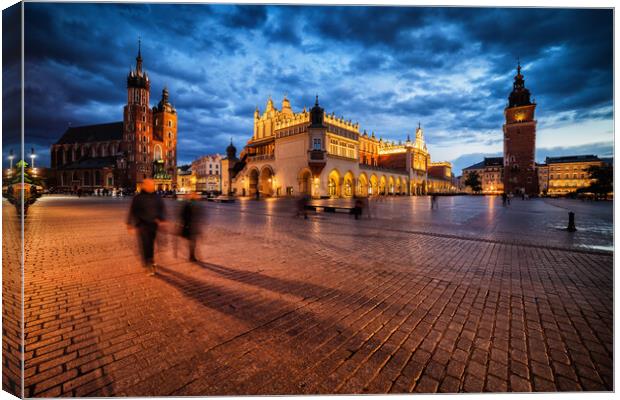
(11, 157)
(32, 157)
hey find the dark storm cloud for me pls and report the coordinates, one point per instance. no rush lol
(245, 17)
(385, 67)
(11, 80)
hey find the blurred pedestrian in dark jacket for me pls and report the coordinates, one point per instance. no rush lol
(358, 208)
(147, 212)
(191, 221)
(302, 202)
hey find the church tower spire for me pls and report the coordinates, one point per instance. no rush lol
(138, 78)
(139, 57)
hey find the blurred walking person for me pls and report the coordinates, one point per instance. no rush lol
(146, 213)
(191, 216)
(358, 208)
(302, 204)
(434, 203)
(367, 205)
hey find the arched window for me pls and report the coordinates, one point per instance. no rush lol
(157, 153)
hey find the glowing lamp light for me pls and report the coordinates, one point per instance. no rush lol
(11, 157)
(32, 156)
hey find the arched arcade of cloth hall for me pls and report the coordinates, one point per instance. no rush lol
(374, 185)
(253, 181)
(348, 185)
(266, 181)
(382, 185)
(390, 185)
(362, 186)
(304, 181)
(333, 183)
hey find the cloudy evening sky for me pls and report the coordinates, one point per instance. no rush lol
(385, 67)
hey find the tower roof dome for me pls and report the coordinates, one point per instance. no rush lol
(317, 114)
(520, 95)
(231, 150)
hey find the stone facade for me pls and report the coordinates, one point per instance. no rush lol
(88, 157)
(563, 175)
(490, 171)
(322, 155)
(186, 179)
(208, 172)
(440, 178)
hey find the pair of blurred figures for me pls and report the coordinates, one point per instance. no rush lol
(148, 212)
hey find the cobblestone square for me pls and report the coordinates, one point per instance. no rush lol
(470, 297)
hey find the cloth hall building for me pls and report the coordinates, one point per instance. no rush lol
(316, 153)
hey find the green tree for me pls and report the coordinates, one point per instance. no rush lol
(603, 177)
(473, 181)
(27, 173)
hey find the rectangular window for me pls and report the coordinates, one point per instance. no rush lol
(333, 146)
(317, 144)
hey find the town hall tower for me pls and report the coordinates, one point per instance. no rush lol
(520, 140)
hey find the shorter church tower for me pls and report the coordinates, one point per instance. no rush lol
(520, 140)
(165, 138)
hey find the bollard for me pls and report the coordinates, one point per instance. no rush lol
(571, 222)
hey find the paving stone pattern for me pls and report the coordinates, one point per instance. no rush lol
(11, 300)
(283, 305)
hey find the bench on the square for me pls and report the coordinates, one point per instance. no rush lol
(222, 199)
(330, 208)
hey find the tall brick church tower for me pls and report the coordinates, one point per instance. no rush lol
(520, 140)
(149, 135)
